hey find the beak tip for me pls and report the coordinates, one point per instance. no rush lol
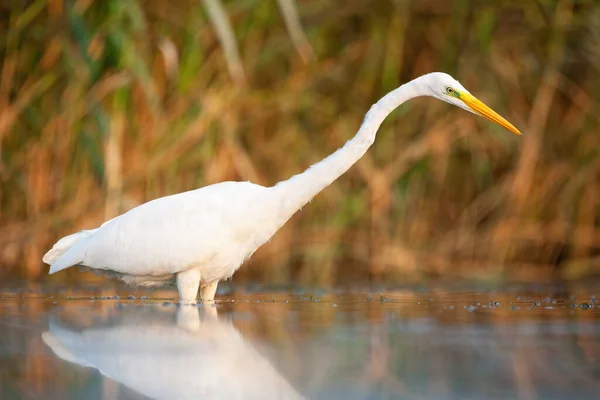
(481, 109)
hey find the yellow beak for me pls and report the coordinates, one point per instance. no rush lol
(483, 110)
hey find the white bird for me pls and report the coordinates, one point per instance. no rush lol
(200, 237)
(200, 356)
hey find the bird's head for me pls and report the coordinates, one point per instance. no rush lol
(448, 89)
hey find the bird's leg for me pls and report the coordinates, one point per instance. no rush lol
(187, 285)
(207, 292)
(188, 318)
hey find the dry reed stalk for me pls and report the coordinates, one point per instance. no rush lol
(294, 28)
(224, 31)
(541, 107)
(532, 144)
(522, 374)
(110, 388)
(11, 111)
(113, 161)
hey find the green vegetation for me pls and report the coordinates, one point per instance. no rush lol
(108, 104)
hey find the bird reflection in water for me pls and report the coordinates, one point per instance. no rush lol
(200, 355)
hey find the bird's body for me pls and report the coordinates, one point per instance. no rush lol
(167, 235)
(203, 236)
(200, 356)
(150, 244)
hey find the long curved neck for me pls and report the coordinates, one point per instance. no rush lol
(301, 188)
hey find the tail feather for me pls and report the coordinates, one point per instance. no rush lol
(58, 347)
(61, 256)
(65, 261)
(60, 340)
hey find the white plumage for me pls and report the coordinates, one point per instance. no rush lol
(202, 356)
(203, 236)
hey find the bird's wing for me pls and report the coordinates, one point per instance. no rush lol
(173, 232)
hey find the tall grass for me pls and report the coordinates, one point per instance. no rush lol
(107, 104)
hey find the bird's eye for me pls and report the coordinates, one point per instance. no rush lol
(449, 90)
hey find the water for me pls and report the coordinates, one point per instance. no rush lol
(415, 343)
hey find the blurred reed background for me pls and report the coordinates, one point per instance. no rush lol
(107, 104)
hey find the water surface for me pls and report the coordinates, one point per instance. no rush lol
(417, 343)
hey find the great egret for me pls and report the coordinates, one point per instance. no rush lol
(200, 355)
(200, 237)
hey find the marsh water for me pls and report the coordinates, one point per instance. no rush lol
(421, 342)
